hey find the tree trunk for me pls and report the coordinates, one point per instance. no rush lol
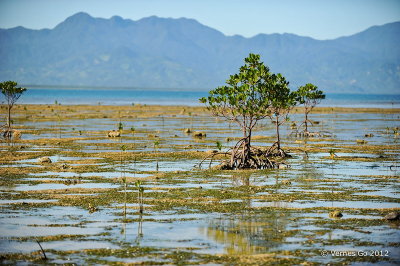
(248, 140)
(247, 152)
(305, 122)
(9, 118)
(246, 148)
(277, 134)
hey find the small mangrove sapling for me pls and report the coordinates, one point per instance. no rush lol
(156, 143)
(123, 149)
(219, 145)
(120, 126)
(140, 190)
(332, 153)
(308, 96)
(12, 93)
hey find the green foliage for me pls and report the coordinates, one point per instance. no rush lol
(138, 185)
(245, 99)
(252, 95)
(12, 94)
(249, 96)
(332, 153)
(140, 189)
(11, 91)
(120, 126)
(309, 95)
(281, 98)
(282, 101)
(219, 145)
(156, 143)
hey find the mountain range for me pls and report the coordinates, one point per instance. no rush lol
(170, 53)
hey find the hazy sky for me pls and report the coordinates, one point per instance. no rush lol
(320, 19)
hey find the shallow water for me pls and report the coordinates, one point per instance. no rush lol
(197, 211)
(63, 186)
(116, 174)
(332, 204)
(163, 166)
(7, 202)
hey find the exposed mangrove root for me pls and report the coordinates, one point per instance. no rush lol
(6, 132)
(10, 134)
(223, 165)
(307, 134)
(276, 151)
(244, 156)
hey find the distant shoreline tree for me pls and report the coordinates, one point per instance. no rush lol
(12, 94)
(308, 96)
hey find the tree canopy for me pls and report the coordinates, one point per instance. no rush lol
(282, 100)
(244, 99)
(11, 91)
(309, 96)
(280, 96)
(249, 96)
(12, 94)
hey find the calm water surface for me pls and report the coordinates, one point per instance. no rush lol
(116, 96)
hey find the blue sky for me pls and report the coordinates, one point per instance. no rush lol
(320, 19)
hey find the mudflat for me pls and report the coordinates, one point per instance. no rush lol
(141, 197)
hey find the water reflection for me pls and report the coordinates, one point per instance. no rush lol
(241, 180)
(139, 235)
(248, 233)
